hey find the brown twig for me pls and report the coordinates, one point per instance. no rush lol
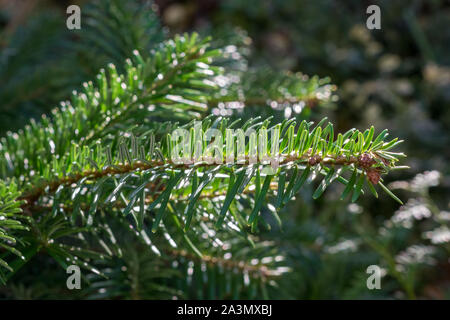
(48, 187)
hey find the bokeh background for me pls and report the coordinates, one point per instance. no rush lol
(396, 78)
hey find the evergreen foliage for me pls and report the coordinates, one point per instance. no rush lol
(94, 183)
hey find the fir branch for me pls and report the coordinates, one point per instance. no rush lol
(120, 169)
(311, 149)
(155, 82)
(9, 223)
(266, 87)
